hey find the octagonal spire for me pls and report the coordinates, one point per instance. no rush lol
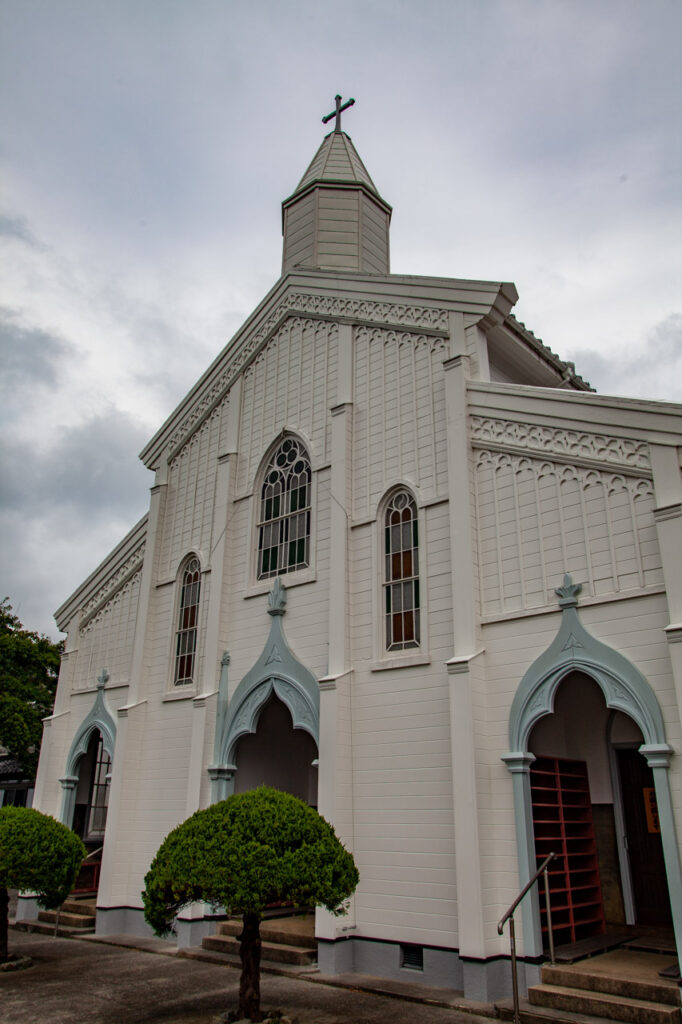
(336, 219)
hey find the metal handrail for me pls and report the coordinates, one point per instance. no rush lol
(509, 916)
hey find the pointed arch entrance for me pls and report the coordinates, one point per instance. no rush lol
(85, 785)
(268, 732)
(578, 659)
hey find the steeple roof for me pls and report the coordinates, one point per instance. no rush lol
(336, 219)
(337, 160)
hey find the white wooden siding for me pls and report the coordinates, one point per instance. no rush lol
(190, 498)
(538, 519)
(399, 428)
(292, 383)
(106, 640)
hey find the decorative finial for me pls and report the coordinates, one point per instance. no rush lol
(103, 679)
(568, 594)
(277, 598)
(337, 113)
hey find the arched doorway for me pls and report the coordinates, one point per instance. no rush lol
(625, 690)
(85, 786)
(277, 755)
(594, 805)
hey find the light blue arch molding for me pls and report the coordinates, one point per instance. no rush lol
(625, 689)
(276, 671)
(99, 718)
(575, 650)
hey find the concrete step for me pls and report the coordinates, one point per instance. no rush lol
(47, 928)
(84, 921)
(287, 931)
(602, 1004)
(653, 989)
(272, 951)
(88, 907)
(542, 1014)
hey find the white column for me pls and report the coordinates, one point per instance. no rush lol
(665, 462)
(154, 523)
(212, 648)
(462, 724)
(335, 782)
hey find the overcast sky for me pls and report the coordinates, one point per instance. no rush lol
(146, 146)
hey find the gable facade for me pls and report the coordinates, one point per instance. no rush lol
(397, 634)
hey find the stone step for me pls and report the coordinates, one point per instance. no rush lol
(542, 1014)
(88, 907)
(287, 932)
(68, 920)
(602, 1004)
(650, 989)
(271, 951)
(47, 928)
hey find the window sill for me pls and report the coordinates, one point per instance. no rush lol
(400, 661)
(289, 580)
(181, 693)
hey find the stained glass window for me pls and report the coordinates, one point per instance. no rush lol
(186, 638)
(401, 573)
(284, 520)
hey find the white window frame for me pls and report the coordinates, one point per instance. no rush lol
(404, 658)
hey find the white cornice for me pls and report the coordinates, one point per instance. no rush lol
(393, 301)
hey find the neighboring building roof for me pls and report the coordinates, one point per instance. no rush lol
(12, 770)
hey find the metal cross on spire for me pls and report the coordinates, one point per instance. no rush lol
(337, 113)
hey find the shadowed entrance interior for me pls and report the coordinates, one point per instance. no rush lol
(277, 755)
(590, 788)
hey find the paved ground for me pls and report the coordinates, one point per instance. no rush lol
(76, 981)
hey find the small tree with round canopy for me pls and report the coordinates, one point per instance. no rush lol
(37, 854)
(246, 852)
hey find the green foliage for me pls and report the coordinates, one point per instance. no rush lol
(29, 666)
(38, 854)
(248, 851)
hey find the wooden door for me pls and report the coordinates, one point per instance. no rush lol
(647, 867)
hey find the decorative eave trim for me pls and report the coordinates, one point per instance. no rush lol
(485, 302)
(132, 569)
(565, 368)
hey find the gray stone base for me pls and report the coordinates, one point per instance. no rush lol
(122, 921)
(190, 932)
(27, 908)
(484, 981)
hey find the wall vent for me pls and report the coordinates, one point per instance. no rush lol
(412, 958)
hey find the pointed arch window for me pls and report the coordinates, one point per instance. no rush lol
(284, 514)
(99, 791)
(186, 636)
(401, 573)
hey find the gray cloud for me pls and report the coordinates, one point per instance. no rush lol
(652, 369)
(28, 354)
(62, 509)
(18, 228)
(90, 470)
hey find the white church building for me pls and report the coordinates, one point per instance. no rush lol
(400, 561)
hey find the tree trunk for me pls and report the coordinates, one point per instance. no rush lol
(249, 951)
(4, 922)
